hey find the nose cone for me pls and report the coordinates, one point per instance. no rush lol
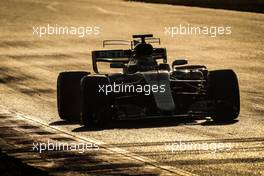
(163, 97)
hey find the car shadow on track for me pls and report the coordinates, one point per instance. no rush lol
(213, 123)
(153, 123)
(145, 123)
(64, 122)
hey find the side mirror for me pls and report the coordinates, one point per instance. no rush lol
(179, 62)
(117, 65)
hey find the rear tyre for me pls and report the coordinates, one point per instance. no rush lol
(68, 95)
(224, 91)
(95, 104)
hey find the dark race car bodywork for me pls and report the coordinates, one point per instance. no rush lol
(146, 88)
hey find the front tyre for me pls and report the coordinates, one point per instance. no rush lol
(95, 104)
(68, 94)
(224, 91)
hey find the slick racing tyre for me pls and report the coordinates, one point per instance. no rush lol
(224, 91)
(95, 104)
(68, 95)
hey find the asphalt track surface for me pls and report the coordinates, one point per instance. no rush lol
(30, 65)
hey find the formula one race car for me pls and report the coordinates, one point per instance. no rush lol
(146, 87)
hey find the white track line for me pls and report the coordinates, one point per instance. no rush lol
(52, 5)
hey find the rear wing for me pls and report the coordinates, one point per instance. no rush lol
(117, 42)
(132, 44)
(122, 56)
